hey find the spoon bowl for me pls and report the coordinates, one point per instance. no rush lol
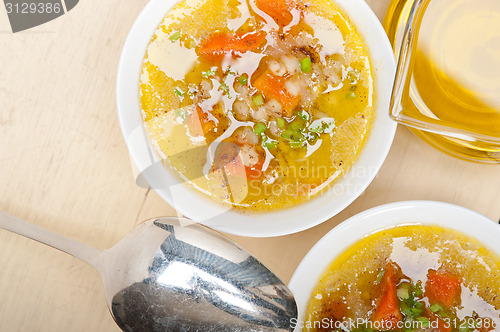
(171, 274)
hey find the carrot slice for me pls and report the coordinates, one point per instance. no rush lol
(443, 326)
(387, 313)
(273, 86)
(227, 157)
(219, 44)
(255, 172)
(443, 288)
(278, 10)
(199, 124)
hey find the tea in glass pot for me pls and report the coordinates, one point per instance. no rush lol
(447, 87)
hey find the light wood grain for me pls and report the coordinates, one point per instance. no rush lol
(64, 167)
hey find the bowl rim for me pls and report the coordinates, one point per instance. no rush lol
(201, 209)
(390, 215)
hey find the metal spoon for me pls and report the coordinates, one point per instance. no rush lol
(170, 274)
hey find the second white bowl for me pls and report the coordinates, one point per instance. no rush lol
(322, 255)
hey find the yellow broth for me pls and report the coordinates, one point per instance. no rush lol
(349, 290)
(193, 104)
(460, 87)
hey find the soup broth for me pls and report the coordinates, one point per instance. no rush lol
(258, 104)
(409, 278)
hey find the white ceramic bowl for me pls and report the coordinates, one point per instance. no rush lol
(319, 258)
(202, 209)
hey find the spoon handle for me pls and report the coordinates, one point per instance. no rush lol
(79, 250)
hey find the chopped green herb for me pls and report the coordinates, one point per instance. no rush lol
(316, 127)
(408, 319)
(295, 138)
(258, 100)
(436, 307)
(470, 323)
(281, 123)
(424, 321)
(405, 309)
(418, 289)
(353, 76)
(176, 35)
(403, 293)
(259, 128)
(328, 127)
(405, 285)
(178, 92)
(297, 125)
(288, 134)
(243, 79)
(303, 115)
(351, 95)
(408, 322)
(444, 314)
(310, 136)
(224, 88)
(416, 311)
(271, 144)
(208, 73)
(305, 65)
(296, 144)
(380, 276)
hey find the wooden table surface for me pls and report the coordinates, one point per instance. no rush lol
(64, 166)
